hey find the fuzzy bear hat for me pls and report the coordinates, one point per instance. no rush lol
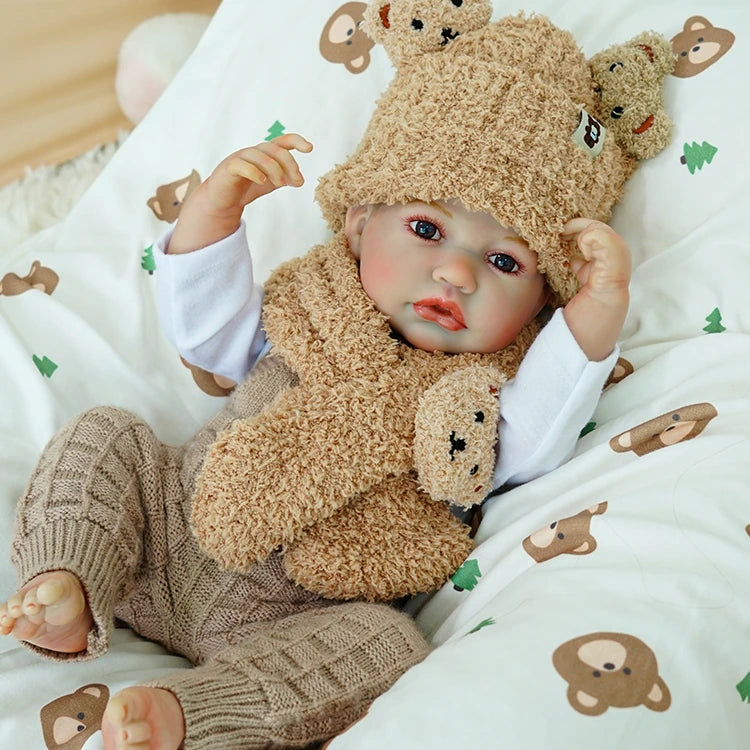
(504, 116)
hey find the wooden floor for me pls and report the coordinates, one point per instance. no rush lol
(57, 70)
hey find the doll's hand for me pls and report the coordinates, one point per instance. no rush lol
(596, 314)
(256, 171)
(604, 265)
(214, 209)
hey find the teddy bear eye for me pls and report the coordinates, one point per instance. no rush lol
(614, 66)
(617, 113)
(474, 470)
(458, 3)
(417, 25)
(479, 416)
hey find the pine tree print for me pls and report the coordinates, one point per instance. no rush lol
(743, 688)
(714, 322)
(275, 131)
(485, 623)
(147, 260)
(695, 156)
(588, 427)
(467, 576)
(45, 365)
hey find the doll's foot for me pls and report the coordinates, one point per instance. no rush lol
(145, 718)
(51, 612)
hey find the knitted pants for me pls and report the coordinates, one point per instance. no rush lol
(277, 666)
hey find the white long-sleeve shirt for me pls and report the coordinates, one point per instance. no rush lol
(210, 309)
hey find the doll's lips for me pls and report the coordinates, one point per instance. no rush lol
(645, 125)
(445, 313)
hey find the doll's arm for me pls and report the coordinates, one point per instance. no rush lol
(209, 307)
(596, 314)
(213, 210)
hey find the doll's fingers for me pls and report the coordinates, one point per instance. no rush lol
(592, 236)
(286, 161)
(293, 141)
(593, 239)
(242, 168)
(575, 226)
(582, 230)
(581, 268)
(276, 163)
(577, 262)
(266, 164)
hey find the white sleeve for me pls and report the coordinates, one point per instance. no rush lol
(209, 306)
(545, 407)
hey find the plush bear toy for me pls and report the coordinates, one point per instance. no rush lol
(629, 80)
(356, 452)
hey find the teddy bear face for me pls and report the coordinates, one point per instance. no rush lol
(344, 41)
(408, 28)
(39, 277)
(699, 45)
(455, 435)
(68, 721)
(566, 536)
(610, 669)
(168, 200)
(665, 430)
(629, 80)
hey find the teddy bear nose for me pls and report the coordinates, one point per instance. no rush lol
(448, 34)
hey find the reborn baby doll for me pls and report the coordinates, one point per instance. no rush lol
(326, 475)
(350, 474)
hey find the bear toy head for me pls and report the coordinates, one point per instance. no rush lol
(409, 28)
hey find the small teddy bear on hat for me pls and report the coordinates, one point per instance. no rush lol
(630, 80)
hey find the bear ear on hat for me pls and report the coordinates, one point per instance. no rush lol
(407, 28)
(629, 82)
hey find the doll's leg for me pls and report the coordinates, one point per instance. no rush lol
(283, 684)
(95, 507)
(110, 504)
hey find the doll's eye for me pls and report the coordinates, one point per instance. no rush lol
(504, 262)
(425, 229)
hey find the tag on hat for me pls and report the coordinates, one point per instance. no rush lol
(590, 134)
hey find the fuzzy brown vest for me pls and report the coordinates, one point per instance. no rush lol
(326, 472)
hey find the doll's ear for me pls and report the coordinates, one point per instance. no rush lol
(354, 224)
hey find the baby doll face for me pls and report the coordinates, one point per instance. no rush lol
(449, 279)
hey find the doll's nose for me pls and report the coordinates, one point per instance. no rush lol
(457, 271)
